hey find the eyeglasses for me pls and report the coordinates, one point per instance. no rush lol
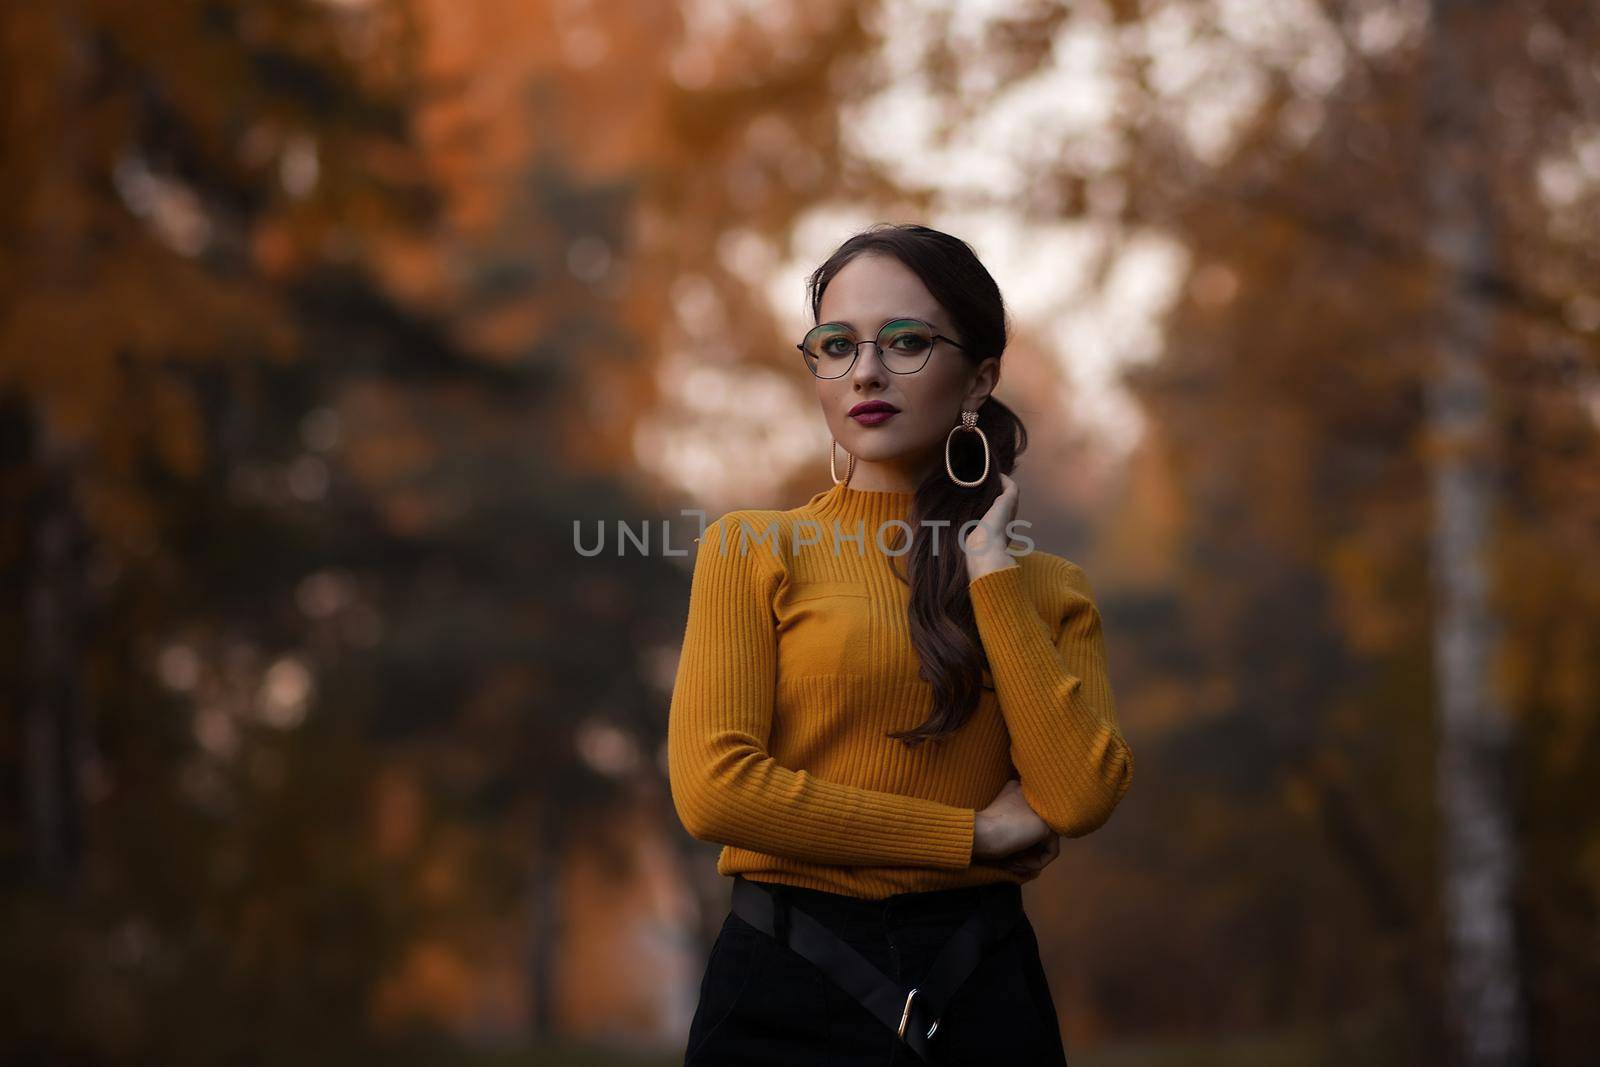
(830, 349)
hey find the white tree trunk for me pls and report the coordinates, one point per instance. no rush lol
(1477, 849)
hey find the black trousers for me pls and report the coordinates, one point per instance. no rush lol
(761, 1003)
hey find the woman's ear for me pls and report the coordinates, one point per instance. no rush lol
(984, 380)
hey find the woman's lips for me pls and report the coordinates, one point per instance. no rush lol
(875, 416)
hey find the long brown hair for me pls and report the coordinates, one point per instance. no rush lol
(944, 631)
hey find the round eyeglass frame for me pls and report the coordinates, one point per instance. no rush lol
(934, 338)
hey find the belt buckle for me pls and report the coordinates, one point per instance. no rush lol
(905, 1016)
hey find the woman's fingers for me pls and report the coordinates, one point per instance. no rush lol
(1022, 862)
(1035, 858)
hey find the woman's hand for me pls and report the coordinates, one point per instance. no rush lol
(986, 544)
(1030, 861)
(1007, 826)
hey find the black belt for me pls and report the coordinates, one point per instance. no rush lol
(913, 1015)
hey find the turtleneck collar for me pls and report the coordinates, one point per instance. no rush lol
(848, 505)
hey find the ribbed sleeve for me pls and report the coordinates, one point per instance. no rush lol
(1055, 696)
(725, 785)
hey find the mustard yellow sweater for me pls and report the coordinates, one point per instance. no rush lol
(796, 661)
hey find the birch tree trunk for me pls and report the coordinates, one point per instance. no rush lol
(1477, 850)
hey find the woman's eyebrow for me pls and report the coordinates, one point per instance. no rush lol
(885, 322)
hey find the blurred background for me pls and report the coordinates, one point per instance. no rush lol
(323, 322)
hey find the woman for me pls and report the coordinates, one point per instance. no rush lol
(886, 712)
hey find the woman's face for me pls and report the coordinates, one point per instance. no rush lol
(867, 292)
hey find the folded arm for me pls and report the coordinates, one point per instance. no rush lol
(1055, 696)
(726, 787)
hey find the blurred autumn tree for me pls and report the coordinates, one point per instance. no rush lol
(180, 859)
(1320, 341)
(277, 545)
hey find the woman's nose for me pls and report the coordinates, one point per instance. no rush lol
(868, 364)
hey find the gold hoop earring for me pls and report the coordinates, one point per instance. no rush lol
(969, 421)
(833, 464)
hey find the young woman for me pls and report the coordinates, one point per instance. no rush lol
(887, 710)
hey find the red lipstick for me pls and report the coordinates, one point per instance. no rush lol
(873, 412)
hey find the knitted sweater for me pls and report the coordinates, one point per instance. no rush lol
(796, 661)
